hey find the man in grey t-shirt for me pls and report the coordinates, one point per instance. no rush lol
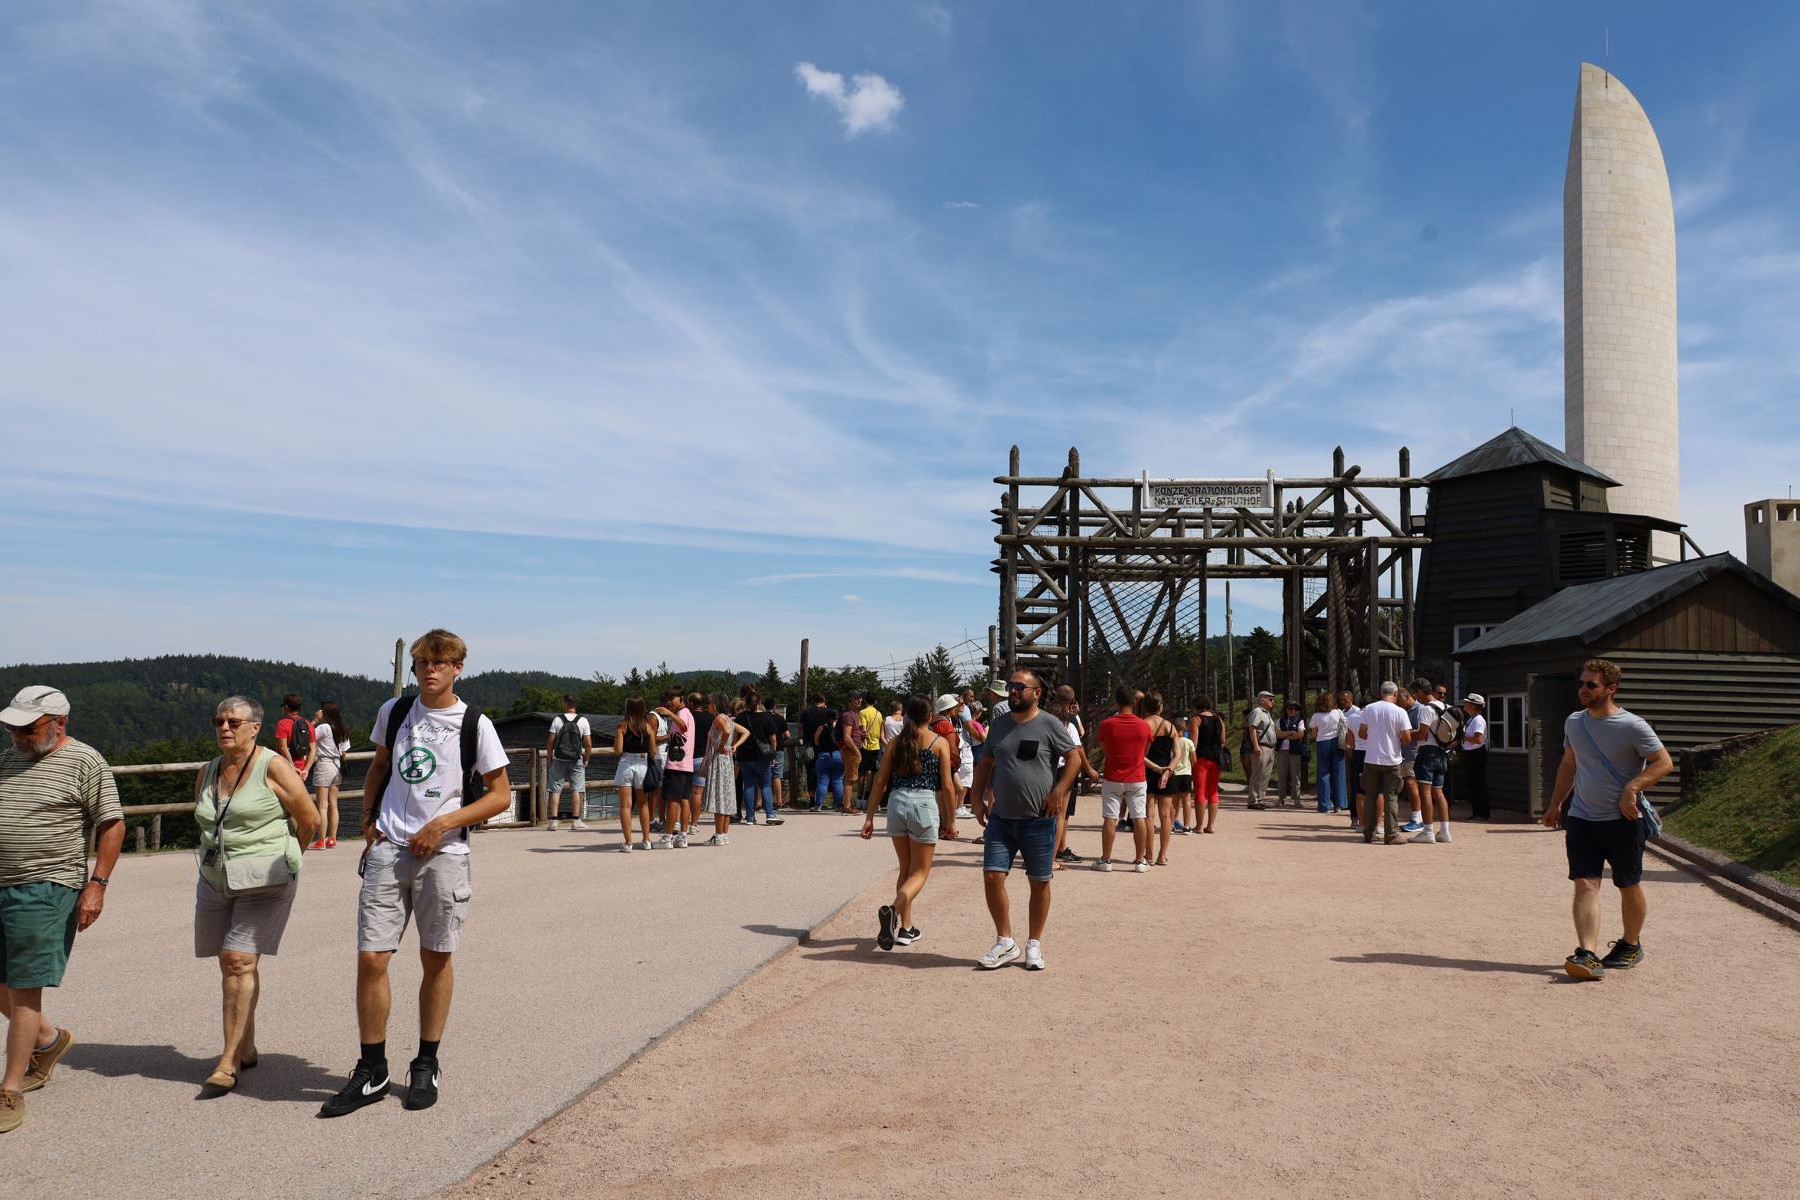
(1610, 757)
(1018, 764)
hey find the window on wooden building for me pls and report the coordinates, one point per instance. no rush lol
(1506, 723)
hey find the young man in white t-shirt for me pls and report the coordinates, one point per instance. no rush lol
(1381, 732)
(569, 773)
(416, 864)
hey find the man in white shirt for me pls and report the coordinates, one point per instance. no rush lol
(1381, 733)
(1431, 762)
(1259, 745)
(416, 864)
(1353, 755)
(570, 746)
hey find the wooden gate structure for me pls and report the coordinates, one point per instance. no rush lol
(1105, 580)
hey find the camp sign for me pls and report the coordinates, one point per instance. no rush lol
(1208, 493)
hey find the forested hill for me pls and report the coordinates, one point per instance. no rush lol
(122, 704)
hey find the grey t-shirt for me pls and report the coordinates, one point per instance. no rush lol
(1025, 755)
(1626, 740)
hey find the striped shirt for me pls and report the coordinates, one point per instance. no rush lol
(48, 807)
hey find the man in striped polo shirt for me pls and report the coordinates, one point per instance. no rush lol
(54, 792)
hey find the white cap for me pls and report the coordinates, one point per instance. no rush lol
(1475, 698)
(947, 701)
(33, 703)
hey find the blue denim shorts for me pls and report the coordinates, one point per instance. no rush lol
(1034, 837)
(1431, 766)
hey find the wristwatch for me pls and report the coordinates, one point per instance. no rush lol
(99, 879)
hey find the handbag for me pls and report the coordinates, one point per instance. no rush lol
(653, 776)
(254, 875)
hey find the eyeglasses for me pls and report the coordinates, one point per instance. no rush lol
(1588, 685)
(234, 722)
(420, 664)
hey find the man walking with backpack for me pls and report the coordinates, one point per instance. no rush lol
(294, 736)
(439, 770)
(570, 746)
(1436, 733)
(1610, 757)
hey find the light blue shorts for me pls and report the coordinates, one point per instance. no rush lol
(912, 813)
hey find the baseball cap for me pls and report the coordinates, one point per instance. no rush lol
(946, 702)
(33, 703)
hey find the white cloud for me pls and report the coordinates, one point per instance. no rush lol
(960, 204)
(924, 574)
(852, 598)
(867, 102)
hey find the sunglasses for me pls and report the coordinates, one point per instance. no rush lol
(1018, 687)
(1588, 685)
(234, 722)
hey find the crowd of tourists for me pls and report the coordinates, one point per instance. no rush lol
(1013, 764)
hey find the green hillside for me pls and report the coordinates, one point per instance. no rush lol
(1749, 808)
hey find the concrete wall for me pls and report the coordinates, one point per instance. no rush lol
(1620, 405)
(1772, 541)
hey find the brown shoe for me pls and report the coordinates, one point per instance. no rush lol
(44, 1061)
(12, 1111)
(1392, 839)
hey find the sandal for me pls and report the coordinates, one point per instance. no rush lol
(220, 1081)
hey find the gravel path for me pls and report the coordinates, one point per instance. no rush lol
(575, 958)
(1281, 1012)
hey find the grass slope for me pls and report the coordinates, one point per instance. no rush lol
(1749, 809)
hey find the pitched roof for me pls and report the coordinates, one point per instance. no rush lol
(1514, 448)
(1592, 610)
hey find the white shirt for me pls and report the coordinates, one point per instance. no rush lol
(327, 742)
(891, 727)
(1471, 726)
(1380, 731)
(1352, 718)
(427, 768)
(1326, 726)
(581, 723)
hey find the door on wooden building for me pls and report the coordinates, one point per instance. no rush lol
(1547, 705)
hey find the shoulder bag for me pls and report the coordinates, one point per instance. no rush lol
(254, 875)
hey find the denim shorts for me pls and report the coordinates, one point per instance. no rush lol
(1034, 837)
(1431, 766)
(912, 813)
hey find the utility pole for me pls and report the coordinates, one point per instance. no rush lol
(399, 667)
(1230, 649)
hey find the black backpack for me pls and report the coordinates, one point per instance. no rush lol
(300, 739)
(474, 786)
(568, 739)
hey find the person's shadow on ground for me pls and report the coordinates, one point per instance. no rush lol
(282, 1077)
(1394, 959)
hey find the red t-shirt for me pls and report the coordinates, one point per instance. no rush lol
(946, 729)
(1126, 739)
(284, 729)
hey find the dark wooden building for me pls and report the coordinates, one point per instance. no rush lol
(1709, 649)
(1512, 522)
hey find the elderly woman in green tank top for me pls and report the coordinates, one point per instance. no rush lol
(255, 819)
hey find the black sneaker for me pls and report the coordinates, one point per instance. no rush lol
(1584, 964)
(364, 1089)
(1623, 956)
(421, 1084)
(1069, 856)
(906, 937)
(885, 939)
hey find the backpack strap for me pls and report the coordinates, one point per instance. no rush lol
(375, 789)
(474, 787)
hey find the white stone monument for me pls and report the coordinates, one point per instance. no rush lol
(1620, 411)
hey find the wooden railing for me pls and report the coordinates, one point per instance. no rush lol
(601, 794)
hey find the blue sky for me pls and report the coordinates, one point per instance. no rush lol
(609, 334)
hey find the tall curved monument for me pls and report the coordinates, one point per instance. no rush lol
(1619, 385)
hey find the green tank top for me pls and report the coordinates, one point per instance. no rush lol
(256, 826)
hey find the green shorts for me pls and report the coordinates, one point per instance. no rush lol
(37, 931)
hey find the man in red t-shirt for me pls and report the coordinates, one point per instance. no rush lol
(1125, 738)
(300, 748)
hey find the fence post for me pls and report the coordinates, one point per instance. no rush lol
(534, 793)
(140, 839)
(156, 832)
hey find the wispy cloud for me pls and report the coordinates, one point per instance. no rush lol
(867, 102)
(926, 574)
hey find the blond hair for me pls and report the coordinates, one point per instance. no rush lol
(440, 643)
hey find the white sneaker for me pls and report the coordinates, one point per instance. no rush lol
(579, 826)
(644, 845)
(1034, 956)
(1443, 835)
(1000, 955)
(1140, 866)
(717, 839)
(665, 842)
(1424, 836)
(625, 848)
(681, 841)
(1103, 864)
(965, 812)
(724, 839)
(550, 828)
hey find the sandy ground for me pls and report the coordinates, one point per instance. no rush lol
(575, 957)
(1283, 1011)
